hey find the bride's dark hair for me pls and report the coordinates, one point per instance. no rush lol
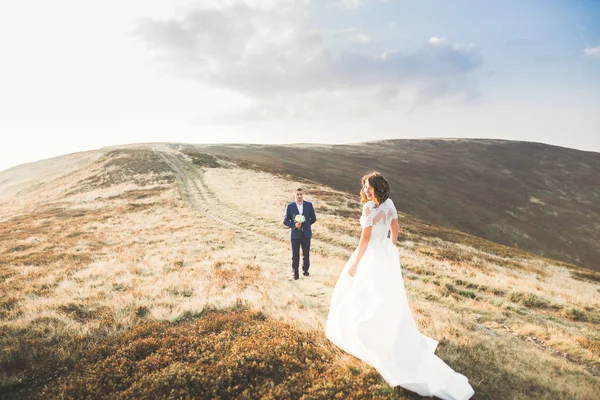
(381, 187)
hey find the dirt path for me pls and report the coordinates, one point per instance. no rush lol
(314, 292)
(189, 179)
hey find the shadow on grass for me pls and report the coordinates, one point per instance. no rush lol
(239, 353)
(236, 353)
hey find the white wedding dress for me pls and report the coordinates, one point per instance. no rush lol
(369, 317)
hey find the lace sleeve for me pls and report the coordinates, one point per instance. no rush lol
(366, 219)
(393, 209)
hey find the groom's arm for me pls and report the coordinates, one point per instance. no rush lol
(313, 216)
(287, 221)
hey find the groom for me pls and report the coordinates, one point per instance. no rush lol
(301, 231)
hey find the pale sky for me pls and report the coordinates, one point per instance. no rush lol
(78, 75)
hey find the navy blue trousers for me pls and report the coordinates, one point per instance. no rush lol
(303, 242)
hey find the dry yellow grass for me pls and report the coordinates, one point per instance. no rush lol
(84, 260)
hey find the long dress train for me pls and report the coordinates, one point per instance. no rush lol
(370, 318)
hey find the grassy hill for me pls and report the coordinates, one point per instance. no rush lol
(540, 198)
(142, 272)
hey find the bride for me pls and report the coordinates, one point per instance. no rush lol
(369, 316)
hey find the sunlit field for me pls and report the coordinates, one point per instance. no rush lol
(147, 272)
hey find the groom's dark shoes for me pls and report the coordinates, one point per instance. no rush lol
(303, 243)
(305, 273)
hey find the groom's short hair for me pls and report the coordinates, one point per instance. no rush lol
(299, 189)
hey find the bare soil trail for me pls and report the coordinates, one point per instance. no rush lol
(315, 290)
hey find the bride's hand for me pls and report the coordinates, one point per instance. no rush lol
(352, 269)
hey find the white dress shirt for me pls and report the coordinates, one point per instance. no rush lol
(300, 207)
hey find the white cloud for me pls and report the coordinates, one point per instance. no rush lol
(249, 48)
(443, 42)
(348, 4)
(592, 51)
(434, 41)
(346, 36)
(353, 4)
(270, 52)
(362, 38)
(386, 55)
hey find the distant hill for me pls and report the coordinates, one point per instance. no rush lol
(540, 198)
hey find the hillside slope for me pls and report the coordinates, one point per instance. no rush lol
(540, 198)
(145, 273)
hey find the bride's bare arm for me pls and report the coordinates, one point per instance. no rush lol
(364, 241)
(394, 229)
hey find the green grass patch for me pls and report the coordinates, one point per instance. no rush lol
(451, 289)
(583, 275)
(531, 300)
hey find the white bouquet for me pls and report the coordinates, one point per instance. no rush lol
(299, 218)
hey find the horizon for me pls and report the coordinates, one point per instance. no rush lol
(78, 77)
(296, 144)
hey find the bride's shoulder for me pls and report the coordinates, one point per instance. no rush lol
(368, 207)
(389, 201)
(369, 204)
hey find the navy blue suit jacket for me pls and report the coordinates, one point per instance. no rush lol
(310, 218)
